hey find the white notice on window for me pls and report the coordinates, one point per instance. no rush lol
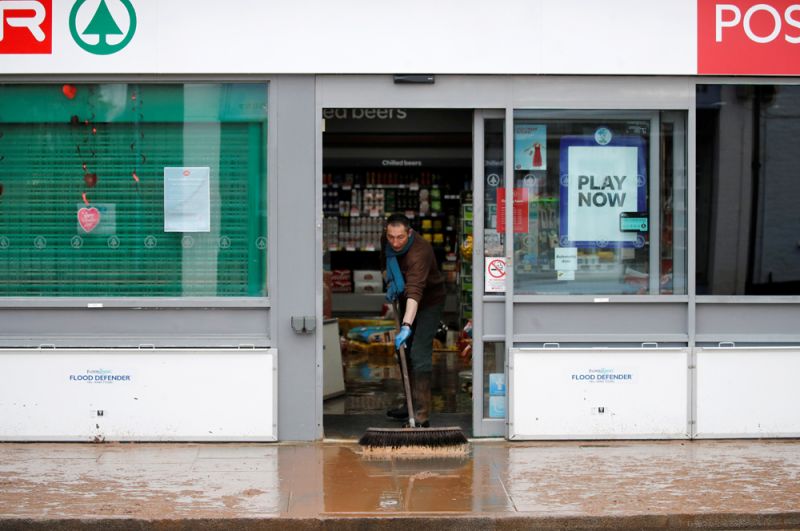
(566, 258)
(187, 200)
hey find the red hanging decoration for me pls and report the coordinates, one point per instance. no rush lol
(90, 178)
(69, 91)
(135, 177)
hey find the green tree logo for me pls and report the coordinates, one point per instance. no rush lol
(102, 25)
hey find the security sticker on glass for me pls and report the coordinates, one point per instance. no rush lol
(633, 222)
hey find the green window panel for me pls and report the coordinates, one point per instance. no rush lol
(106, 147)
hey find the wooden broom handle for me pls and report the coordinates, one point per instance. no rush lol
(404, 368)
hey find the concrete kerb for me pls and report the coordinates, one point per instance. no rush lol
(711, 522)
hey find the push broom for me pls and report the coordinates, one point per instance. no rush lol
(413, 441)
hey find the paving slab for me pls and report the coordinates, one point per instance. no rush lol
(330, 485)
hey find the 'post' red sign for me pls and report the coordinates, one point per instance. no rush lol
(748, 37)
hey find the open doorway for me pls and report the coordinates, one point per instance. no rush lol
(377, 162)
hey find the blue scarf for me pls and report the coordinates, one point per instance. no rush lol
(394, 277)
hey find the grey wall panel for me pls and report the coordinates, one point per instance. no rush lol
(132, 327)
(755, 323)
(448, 92)
(494, 318)
(488, 92)
(603, 92)
(563, 322)
(294, 292)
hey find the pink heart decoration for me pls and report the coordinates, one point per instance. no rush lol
(88, 218)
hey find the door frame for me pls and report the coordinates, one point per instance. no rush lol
(375, 92)
(482, 425)
(506, 93)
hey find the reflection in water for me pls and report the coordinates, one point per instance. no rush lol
(353, 484)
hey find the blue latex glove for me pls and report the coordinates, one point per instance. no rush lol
(402, 336)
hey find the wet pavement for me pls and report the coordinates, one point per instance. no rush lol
(502, 485)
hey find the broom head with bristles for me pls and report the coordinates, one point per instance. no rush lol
(414, 442)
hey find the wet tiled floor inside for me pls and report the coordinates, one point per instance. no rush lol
(548, 479)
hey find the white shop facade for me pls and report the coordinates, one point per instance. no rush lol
(164, 174)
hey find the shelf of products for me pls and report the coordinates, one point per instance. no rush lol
(465, 262)
(355, 206)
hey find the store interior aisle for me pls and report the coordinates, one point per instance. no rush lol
(417, 162)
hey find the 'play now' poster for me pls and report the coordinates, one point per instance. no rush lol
(599, 181)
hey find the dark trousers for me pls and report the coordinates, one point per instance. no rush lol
(420, 347)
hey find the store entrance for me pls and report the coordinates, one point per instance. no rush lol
(376, 162)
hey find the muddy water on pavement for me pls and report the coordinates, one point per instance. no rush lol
(500, 478)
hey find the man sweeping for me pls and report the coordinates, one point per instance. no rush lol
(414, 280)
(416, 283)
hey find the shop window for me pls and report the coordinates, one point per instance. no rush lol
(126, 190)
(747, 190)
(599, 203)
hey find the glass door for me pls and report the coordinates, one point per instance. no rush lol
(596, 265)
(613, 230)
(488, 266)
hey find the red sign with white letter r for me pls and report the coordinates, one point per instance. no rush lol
(26, 26)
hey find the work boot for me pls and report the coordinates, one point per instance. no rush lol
(398, 413)
(422, 398)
